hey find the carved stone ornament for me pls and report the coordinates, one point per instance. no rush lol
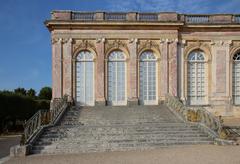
(148, 44)
(83, 44)
(115, 44)
(203, 45)
(235, 47)
(56, 40)
(221, 43)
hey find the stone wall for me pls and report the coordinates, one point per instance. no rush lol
(170, 42)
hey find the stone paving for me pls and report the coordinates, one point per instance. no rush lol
(204, 154)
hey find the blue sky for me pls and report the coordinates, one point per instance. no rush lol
(25, 52)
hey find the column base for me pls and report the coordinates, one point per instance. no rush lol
(100, 103)
(132, 102)
(161, 102)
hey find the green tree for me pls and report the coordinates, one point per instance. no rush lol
(45, 93)
(20, 91)
(31, 93)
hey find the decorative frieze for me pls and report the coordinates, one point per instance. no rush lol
(235, 46)
(221, 43)
(148, 44)
(202, 45)
(83, 44)
(115, 44)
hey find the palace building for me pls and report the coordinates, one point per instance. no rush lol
(120, 59)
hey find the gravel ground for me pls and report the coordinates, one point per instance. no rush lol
(6, 142)
(200, 154)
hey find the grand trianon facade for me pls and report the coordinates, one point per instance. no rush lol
(120, 59)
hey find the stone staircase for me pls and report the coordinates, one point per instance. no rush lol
(97, 129)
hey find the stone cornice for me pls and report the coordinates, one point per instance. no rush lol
(52, 24)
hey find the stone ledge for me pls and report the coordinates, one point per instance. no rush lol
(19, 151)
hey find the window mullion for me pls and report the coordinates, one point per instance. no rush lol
(116, 86)
(196, 74)
(84, 81)
(147, 82)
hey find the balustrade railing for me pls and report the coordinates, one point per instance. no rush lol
(197, 19)
(43, 117)
(116, 16)
(83, 16)
(148, 16)
(199, 115)
(237, 18)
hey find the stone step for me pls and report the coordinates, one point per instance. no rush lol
(139, 132)
(128, 125)
(118, 129)
(82, 137)
(122, 140)
(116, 143)
(118, 147)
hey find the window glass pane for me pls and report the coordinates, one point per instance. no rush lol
(147, 77)
(236, 81)
(116, 77)
(84, 78)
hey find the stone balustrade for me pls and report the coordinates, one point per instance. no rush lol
(199, 115)
(43, 117)
(147, 17)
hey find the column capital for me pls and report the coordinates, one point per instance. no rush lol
(70, 40)
(60, 40)
(182, 43)
(56, 40)
(133, 40)
(168, 41)
(99, 40)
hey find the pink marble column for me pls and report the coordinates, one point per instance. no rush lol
(67, 67)
(164, 69)
(56, 68)
(173, 68)
(133, 71)
(99, 80)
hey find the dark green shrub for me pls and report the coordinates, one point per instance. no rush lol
(15, 107)
(45, 93)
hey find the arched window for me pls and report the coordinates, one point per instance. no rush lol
(148, 78)
(236, 79)
(85, 78)
(117, 78)
(197, 82)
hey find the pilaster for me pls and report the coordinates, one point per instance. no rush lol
(173, 67)
(221, 74)
(133, 78)
(56, 68)
(99, 76)
(164, 81)
(220, 69)
(67, 67)
(181, 70)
